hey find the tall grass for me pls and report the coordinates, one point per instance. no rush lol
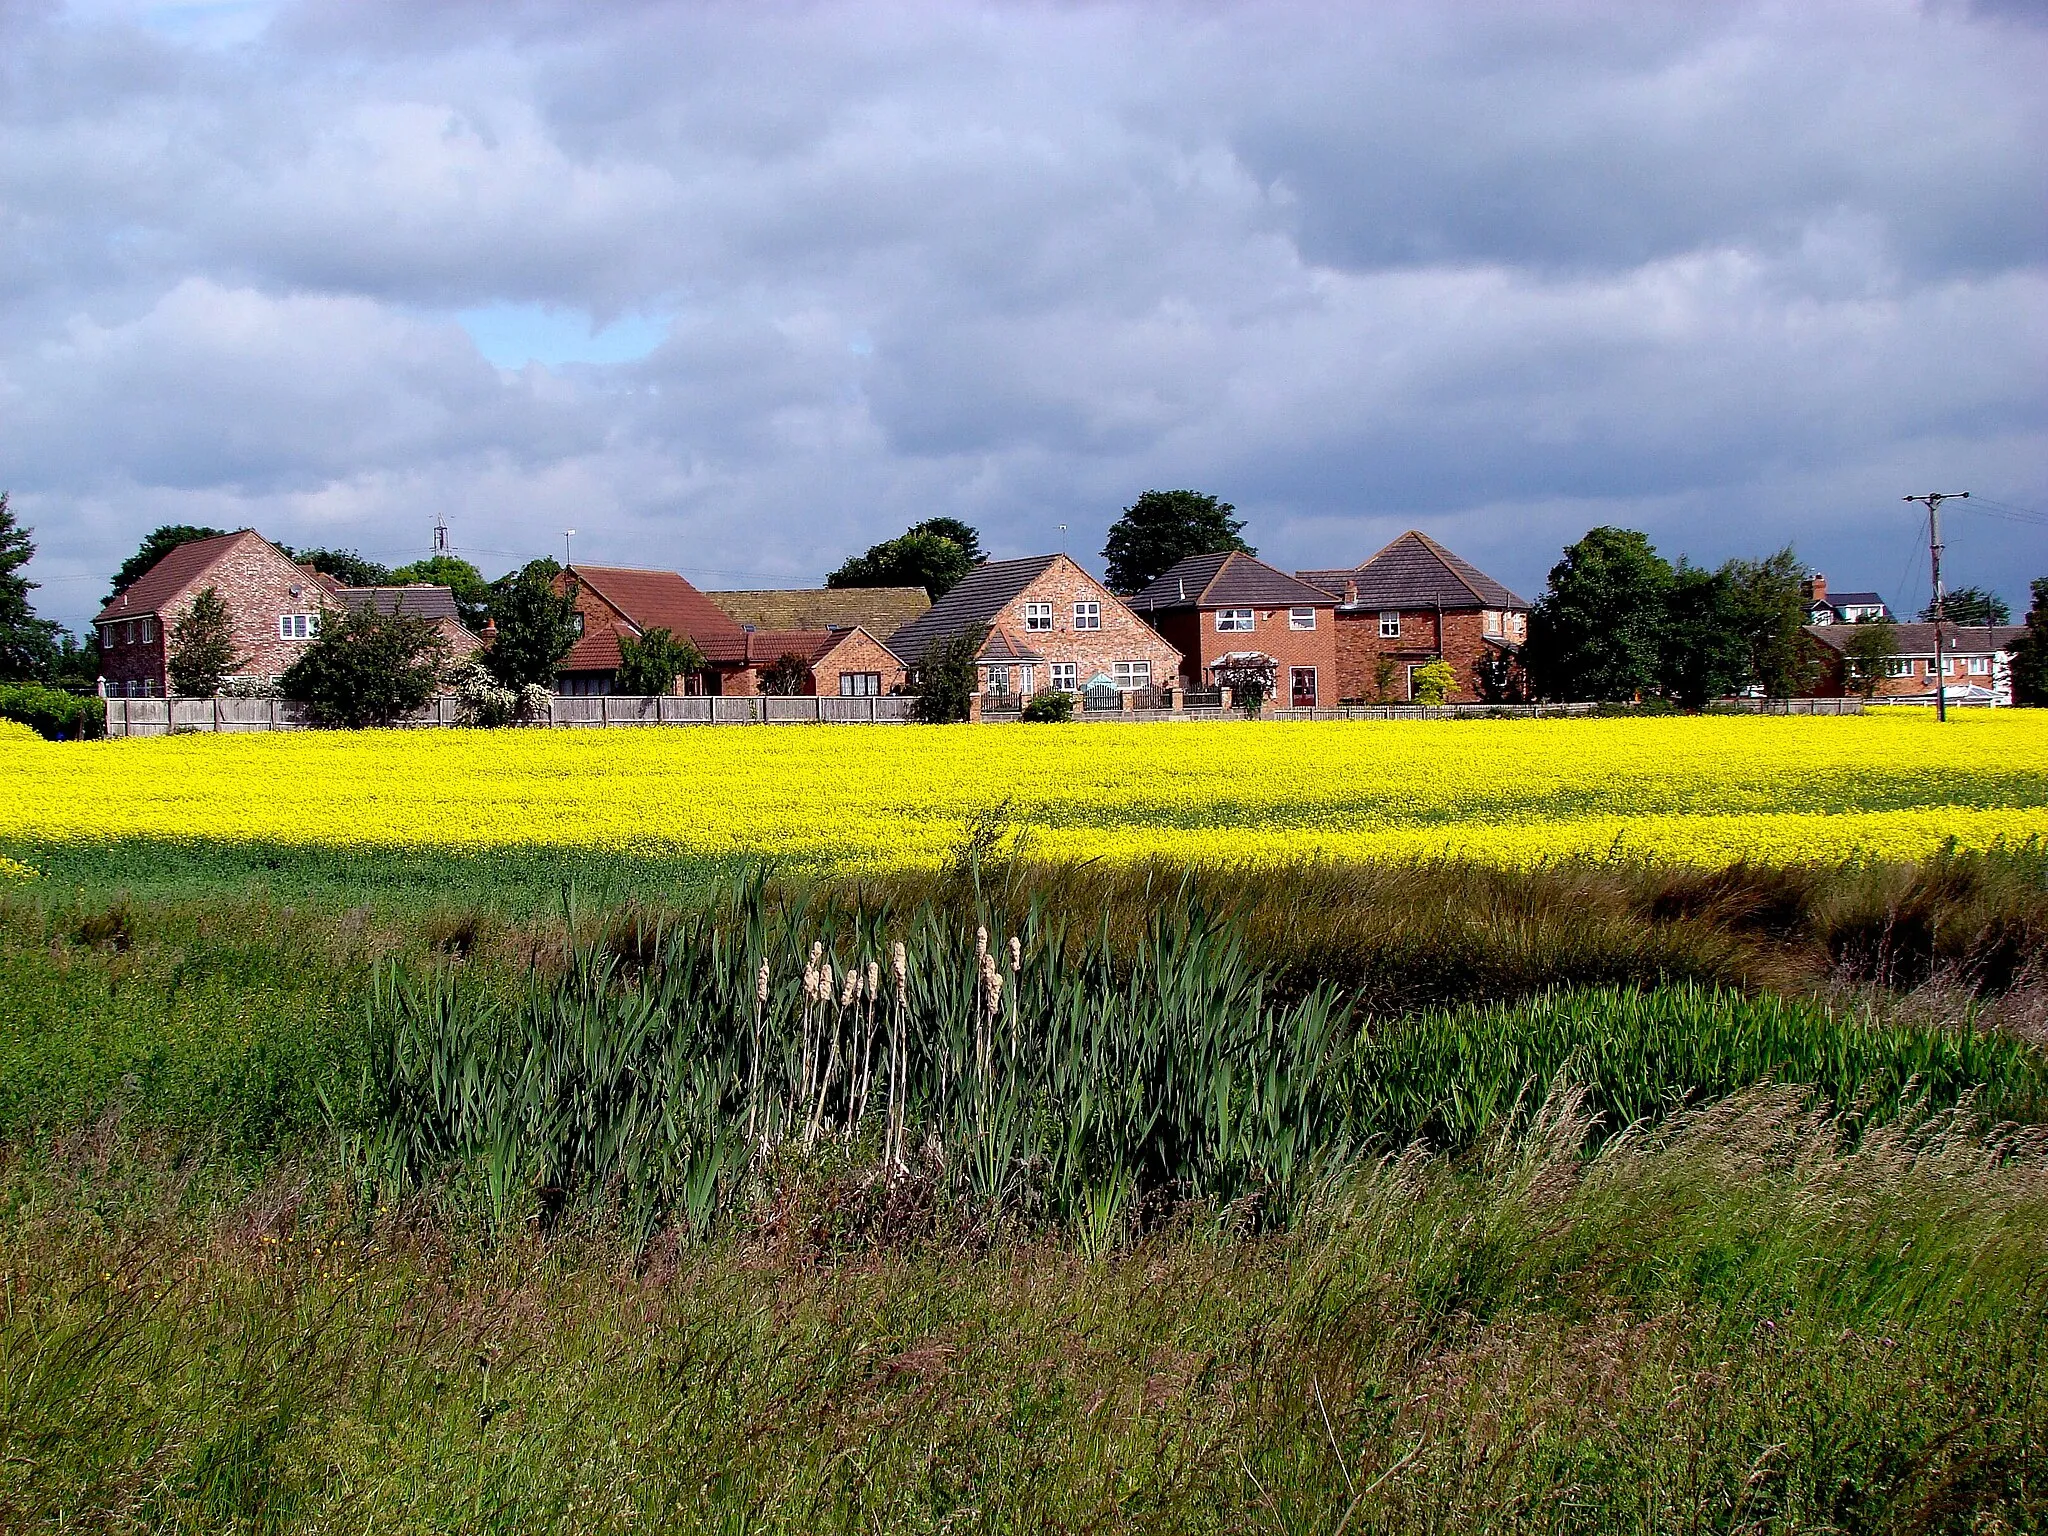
(1049, 1075)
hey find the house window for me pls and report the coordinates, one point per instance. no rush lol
(1133, 674)
(998, 680)
(1087, 615)
(1492, 622)
(1930, 666)
(1233, 619)
(1301, 618)
(1898, 667)
(1038, 616)
(148, 631)
(576, 622)
(1063, 676)
(860, 685)
(1980, 666)
(296, 626)
(1390, 626)
(1023, 679)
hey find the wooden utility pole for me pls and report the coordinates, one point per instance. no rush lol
(1933, 501)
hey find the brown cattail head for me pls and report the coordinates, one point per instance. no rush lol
(991, 985)
(850, 990)
(899, 964)
(874, 981)
(980, 944)
(817, 950)
(1016, 953)
(761, 984)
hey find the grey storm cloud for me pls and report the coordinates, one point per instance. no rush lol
(1735, 275)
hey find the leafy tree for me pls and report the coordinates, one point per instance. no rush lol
(948, 679)
(77, 665)
(367, 668)
(536, 624)
(1598, 632)
(346, 566)
(1162, 528)
(1970, 605)
(963, 534)
(2030, 651)
(1769, 614)
(1497, 677)
(1385, 673)
(203, 651)
(1866, 660)
(51, 714)
(652, 663)
(157, 543)
(28, 645)
(786, 676)
(1434, 682)
(1703, 656)
(471, 592)
(917, 559)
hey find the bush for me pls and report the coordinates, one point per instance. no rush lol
(367, 668)
(1049, 706)
(1434, 682)
(652, 663)
(482, 701)
(947, 680)
(53, 715)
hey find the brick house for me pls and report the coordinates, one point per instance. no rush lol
(1234, 608)
(614, 603)
(1050, 625)
(1976, 664)
(274, 604)
(1413, 603)
(1824, 607)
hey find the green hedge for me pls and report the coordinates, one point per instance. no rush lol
(53, 714)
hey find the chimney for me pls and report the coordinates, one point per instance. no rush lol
(1350, 592)
(1815, 588)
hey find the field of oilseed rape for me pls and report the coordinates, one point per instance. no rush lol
(1517, 792)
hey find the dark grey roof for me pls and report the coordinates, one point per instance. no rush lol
(981, 595)
(1417, 572)
(1918, 639)
(1233, 579)
(421, 602)
(1853, 600)
(1000, 646)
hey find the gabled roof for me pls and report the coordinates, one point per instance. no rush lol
(1852, 600)
(418, 601)
(1917, 640)
(878, 610)
(179, 570)
(1002, 646)
(982, 594)
(1232, 579)
(662, 600)
(1416, 572)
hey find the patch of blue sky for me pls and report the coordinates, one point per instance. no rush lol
(513, 335)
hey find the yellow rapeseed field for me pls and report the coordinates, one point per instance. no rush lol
(1711, 790)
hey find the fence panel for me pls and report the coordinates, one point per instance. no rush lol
(791, 709)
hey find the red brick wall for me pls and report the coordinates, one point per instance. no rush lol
(1123, 636)
(857, 651)
(1830, 683)
(1462, 643)
(1272, 632)
(255, 582)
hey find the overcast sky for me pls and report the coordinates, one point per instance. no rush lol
(739, 289)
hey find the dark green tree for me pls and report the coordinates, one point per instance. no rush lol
(203, 651)
(786, 676)
(1162, 528)
(472, 593)
(157, 543)
(1970, 605)
(1867, 658)
(964, 534)
(948, 678)
(367, 668)
(2030, 652)
(1598, 632)
(1769, 613)
(78, 663)
(1498, 678)
(536, 624)
(346, 566)
(917, 559)
(28, 645)
(1703, 656)
(652, 662)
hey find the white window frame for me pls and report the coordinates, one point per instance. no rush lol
(1087, 615)
(1493, 617)
(297, 626)
(860, 685)
(1065, 676)
(1234, 621)
(1301, 618)
(998, 677)
(1980, 666)
(1390, 624)
(1038, 618)
(1131, 675)
(148, 631)
(576, 623)
(1899, 666)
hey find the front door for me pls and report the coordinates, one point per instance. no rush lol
(1304, 689)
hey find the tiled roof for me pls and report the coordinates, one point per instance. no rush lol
(1918, 639)
(163, 582)
(663, 600)
(419, 601)
(1853, 600)
(878, 610)
(1417, 572)
(1001, 645)
(596, 650)
(1230, 580)
(981, 595)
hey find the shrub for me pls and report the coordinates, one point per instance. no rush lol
(203, 650)
(367, 668)
(651, 663)
(482, 701)
(787, 676)
(53, 715)
(1434, 682)
(1250, 684)
(947, 679)
(1049, 706)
